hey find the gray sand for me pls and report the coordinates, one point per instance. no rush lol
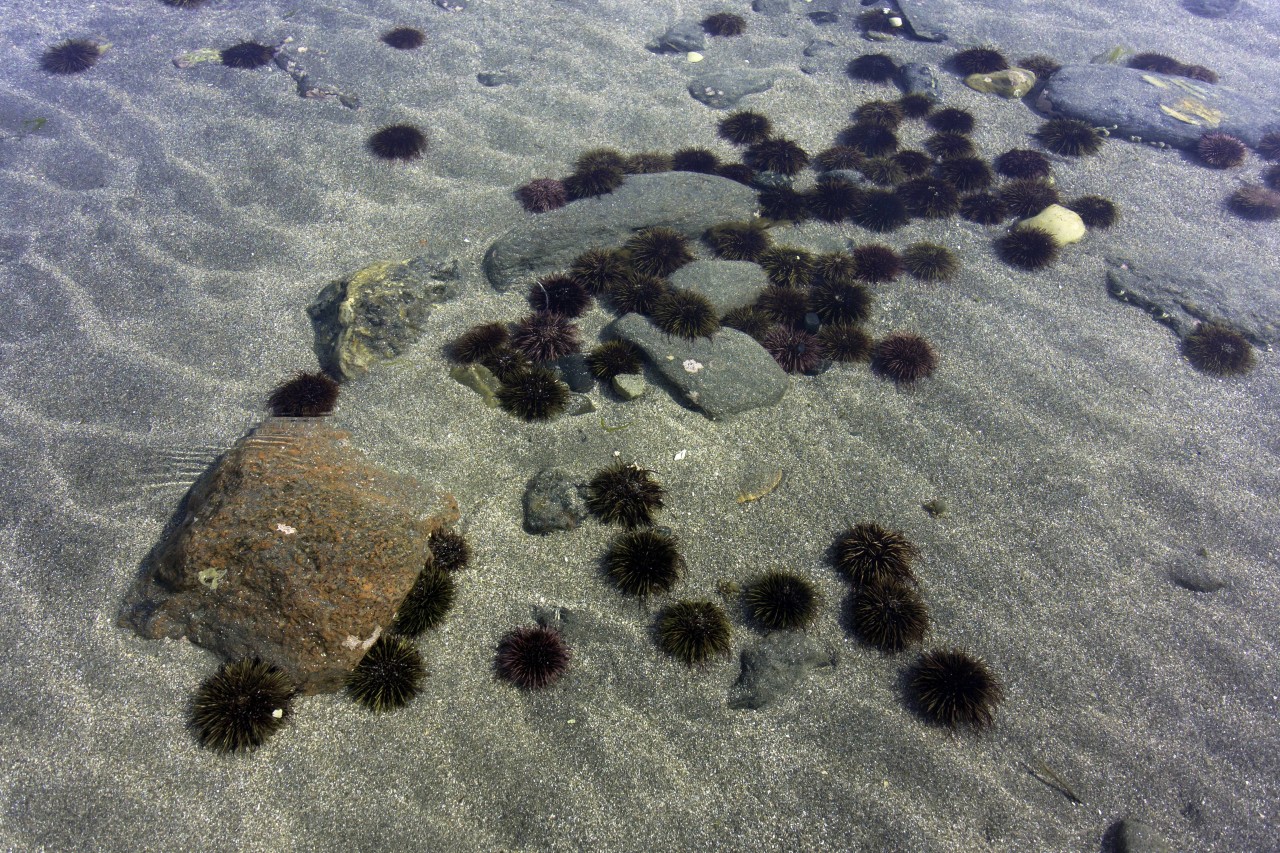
(165, 229)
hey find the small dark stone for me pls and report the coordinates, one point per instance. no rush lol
(915, 78)
(553, 501)
(574, 372)
(681, 38)
(1211, 8)
(1132, 836)
(497, 78)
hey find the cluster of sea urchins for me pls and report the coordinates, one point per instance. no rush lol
(949, 687)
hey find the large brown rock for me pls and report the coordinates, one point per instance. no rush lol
(294, 549)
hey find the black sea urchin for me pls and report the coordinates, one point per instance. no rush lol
(880, 211)
(695, 160)
(979, 60)
(872, 67)
(1251, 201)
(1027, 247)
(542, 194)
(1220, 150)
(951, 120)
(643, 562)
(795, 350)
(559, 294)
(738, 241)
(1069, 136)
(449, 550)
(599, 269)
(876, 263)
(946, 145)
(883, 113)
(929, 261)
(685, 314)
(388, 675)
(1022, 163)
(1218, 349)
(777, 154)
(953, 688)
(1027, 196)
(832, 199)
(247, 55)
(844, 342)
(744, 127)
(533, 395)
(71, 57)
(612, 358)
(427, 603)
(637, 293)
(890, 615)
(840, 301)
(404, 38)
(983, 208)
(307, 395)
(787, 266)
(625, 494)
(545, 337)
(967, 174)
(724, 24)
(1095, 211)
(903, 357)
(870, 139)
(532, 657)
(397, 142)
(241, 705)
(657, 251)
(930, 198)
(870, 553)
(693, 631)
(781, 600)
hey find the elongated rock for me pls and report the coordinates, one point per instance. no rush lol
(686, 201)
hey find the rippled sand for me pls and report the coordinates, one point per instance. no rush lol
(164, 230)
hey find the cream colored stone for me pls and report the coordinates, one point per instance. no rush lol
(1010, 83)
(1065, 225)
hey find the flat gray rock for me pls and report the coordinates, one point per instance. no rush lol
(721, 90)
(773, 668)
(1142, 106)
(686, 201)
(728, 284)
(721, 376)
(1180, 300)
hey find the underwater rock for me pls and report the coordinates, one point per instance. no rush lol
(723, 375)
(553, 501)
(772, 669)
(721, 90)
(915, 78)
(924, 19)
(1134, 836)
(1010, 83)
(1180, 300)
(378, 313)
(728, 284)
(1143, 106)
(628, 386)
(1211, 8)
(1065, 225)
(681, 38)
(293, 549)
(689, 202)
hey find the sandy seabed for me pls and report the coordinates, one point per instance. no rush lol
(164, 230)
